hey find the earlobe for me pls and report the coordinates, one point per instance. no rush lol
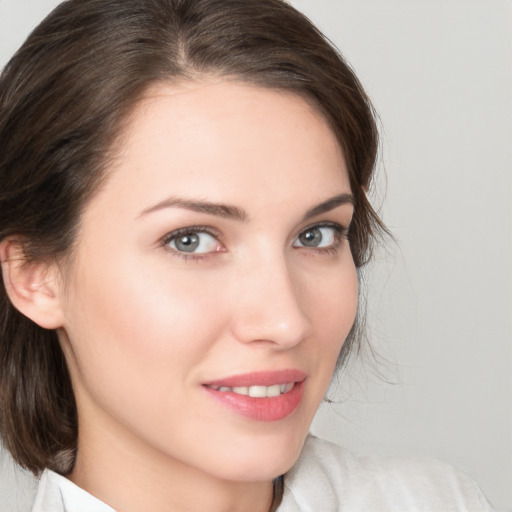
(32, 287)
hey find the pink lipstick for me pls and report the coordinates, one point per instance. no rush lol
(261, 396)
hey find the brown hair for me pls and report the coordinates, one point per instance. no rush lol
(63, 98)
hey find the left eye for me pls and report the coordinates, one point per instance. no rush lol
(193, 242)
(318, 237)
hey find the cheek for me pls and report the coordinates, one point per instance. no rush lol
(334, 305)
(141, 327)
(333, 300)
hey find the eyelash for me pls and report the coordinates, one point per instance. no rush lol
(340, 234)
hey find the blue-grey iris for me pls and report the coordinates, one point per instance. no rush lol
(187, 243)
(311, 238)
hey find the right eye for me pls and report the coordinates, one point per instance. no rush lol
(190, 241)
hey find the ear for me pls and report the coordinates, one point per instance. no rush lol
(34, 288)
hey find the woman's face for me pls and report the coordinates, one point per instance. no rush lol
(211, 266)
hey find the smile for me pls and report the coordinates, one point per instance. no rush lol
(257, 391)
(261, 396)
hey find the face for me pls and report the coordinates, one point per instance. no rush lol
(212, 285)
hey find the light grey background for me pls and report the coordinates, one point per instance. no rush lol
(439, 301)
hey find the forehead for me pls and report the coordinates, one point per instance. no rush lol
(219, 138)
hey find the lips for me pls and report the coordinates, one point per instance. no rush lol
(261, 396)
(259, 379)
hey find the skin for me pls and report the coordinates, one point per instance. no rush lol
(143, 328)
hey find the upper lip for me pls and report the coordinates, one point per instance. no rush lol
(259, 378)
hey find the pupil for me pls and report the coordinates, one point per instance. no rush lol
(187, 243)
(311, 238)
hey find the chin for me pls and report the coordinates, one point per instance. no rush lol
(261, 458)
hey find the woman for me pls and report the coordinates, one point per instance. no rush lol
(184, 213)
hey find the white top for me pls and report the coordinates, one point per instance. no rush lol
(327, 478)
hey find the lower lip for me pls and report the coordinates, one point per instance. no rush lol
(261, 409)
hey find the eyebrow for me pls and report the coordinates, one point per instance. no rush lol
(234, 212)
(329, 205)
(219, 210)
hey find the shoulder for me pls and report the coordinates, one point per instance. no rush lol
(17, 487)
(48, 495)
(328, 477)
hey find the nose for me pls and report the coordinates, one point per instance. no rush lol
(270, 306)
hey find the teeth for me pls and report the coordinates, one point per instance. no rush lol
(286, 387)
(258, 391)
(274, 390)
